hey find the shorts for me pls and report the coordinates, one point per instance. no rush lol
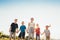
(47, 37)
(22, 35)
(12, 35)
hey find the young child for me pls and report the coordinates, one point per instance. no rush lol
(31, 27)
(47, 32)
(37, 32)
(13, 28)
(22, 33)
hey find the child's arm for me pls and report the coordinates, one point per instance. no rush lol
(10, 29)
(25, 29)
(42, 33)
(50, 25)
(28, 27)
(34, 25)
(49, 33)
(17, 30)
(34, 28)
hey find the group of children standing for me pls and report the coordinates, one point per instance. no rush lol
(30, 30)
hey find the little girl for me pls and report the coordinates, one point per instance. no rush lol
(37, 30)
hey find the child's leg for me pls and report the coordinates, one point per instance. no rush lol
(39, 37)
(36, 36)
(23, 39)
(10, 36)
(48, 37)
(14, 36)
(29, 36)
(19, 37)
(23, 35)
(32, 36)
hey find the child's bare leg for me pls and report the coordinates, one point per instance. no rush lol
(19, 39)
(22, 39)
(14, 36)
(10, 38)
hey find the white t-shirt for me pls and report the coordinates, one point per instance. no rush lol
(47, 32)
(31, 25)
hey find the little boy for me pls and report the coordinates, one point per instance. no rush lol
(47, 32)
(37, 32)
(22, 33)
(13, 28)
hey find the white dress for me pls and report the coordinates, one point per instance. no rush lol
(31, 31)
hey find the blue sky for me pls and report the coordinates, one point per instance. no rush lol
(52, 2)
(44, 11)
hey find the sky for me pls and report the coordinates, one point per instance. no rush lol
(44, 12)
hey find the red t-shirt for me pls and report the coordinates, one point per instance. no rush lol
(38, 31)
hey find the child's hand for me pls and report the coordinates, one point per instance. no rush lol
(50, 25)
(27, 32)
(34, 30)
(9, 30)
(41, 34)
(17, 31)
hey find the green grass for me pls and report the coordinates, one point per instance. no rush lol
(5, 39)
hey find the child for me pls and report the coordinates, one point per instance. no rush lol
(31, 26)
(37, 32)
(22, 33)
(13, 28)
(47, 32)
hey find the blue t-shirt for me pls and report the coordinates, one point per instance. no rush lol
(22, 28)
